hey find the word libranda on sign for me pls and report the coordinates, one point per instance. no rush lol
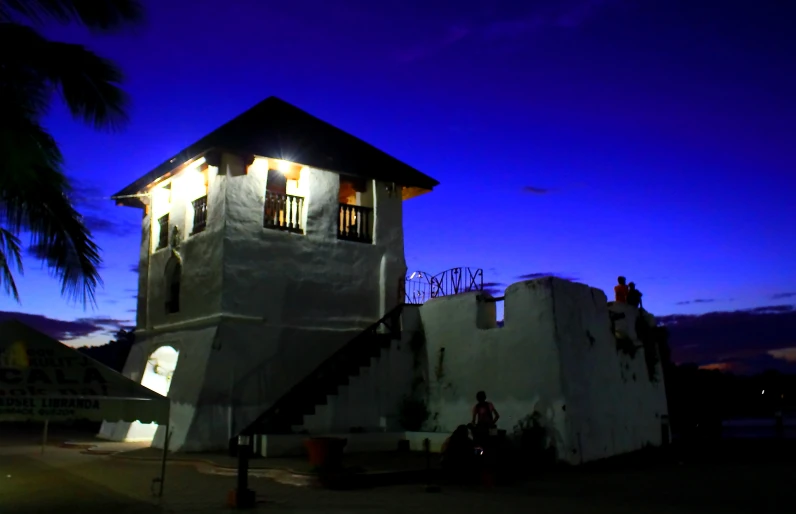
(46, 406)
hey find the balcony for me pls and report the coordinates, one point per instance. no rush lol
(355, 223)
(283, 212)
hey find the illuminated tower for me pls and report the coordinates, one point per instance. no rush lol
(265, 247)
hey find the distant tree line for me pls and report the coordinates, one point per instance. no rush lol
(114, 354)
(705, 397)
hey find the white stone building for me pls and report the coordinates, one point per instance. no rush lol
(271, 300)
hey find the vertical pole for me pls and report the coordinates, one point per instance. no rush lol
(427, 450)
(166, 440)
(430, 487)
(665, 430)
(243, 463)
(44, 435)
(242, 497)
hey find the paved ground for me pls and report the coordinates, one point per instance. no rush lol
(65, 480)
(68, 480)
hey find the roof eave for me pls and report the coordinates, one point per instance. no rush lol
(130, 196)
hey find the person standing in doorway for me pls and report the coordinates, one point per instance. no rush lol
(621, 290)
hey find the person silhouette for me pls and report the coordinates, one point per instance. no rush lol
(634, 296)
(621, 290)
(485, 415)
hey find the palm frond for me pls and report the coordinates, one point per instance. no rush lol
(88, 83)
(34, 199)
(10, 261)
(97, 15)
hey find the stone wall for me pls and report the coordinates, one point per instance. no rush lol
(555, 358)
(371, 401)
(259, 308)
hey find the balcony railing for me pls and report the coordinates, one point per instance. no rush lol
(355, 223)
(283, 212)
(199, 215)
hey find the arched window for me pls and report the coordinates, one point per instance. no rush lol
(173, 277)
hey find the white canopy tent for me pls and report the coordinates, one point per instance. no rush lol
(42, 379)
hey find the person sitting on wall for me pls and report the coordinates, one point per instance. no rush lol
(621, 290)
(458, 454)
(485, 417)
(634, 296)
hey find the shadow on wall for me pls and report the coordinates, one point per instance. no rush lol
(651, 336)
(536, 439)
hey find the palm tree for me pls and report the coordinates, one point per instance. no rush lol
(35, 194)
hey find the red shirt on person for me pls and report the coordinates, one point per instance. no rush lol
(621, 293)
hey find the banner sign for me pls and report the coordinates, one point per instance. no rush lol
(29, 375)
(46, 407)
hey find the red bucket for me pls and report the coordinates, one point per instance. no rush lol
(325, 452)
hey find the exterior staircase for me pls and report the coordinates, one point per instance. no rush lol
(336, 371)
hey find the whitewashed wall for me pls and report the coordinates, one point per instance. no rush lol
(554, 355)
(259, 308)
(371, 399)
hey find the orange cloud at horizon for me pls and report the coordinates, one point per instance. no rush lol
(720, 366)
(785, 354)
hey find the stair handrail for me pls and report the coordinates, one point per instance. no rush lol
(391, 321)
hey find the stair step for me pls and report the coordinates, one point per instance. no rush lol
(355, 357)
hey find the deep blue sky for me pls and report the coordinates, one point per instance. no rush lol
(586, 138)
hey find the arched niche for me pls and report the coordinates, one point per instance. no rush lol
(157, 376)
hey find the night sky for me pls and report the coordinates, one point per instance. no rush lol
(582, 138)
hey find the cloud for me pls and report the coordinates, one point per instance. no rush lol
(535, 275)
(698, 300)
(744, 340)
(782, 296)
(785, 354)
(756, 364)
(535, 190)
(511, 20)
(494, 288)
(110, 325)
(98, 212)
(63, 330)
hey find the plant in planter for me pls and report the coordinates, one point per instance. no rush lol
(412, 413)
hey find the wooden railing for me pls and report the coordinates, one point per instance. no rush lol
(355, 223)
(283, 212)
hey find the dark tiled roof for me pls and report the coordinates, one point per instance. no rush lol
(274, 128)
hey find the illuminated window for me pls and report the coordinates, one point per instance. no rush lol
(163, 231)
(199, 215)
(281, 211)
(355, 220)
